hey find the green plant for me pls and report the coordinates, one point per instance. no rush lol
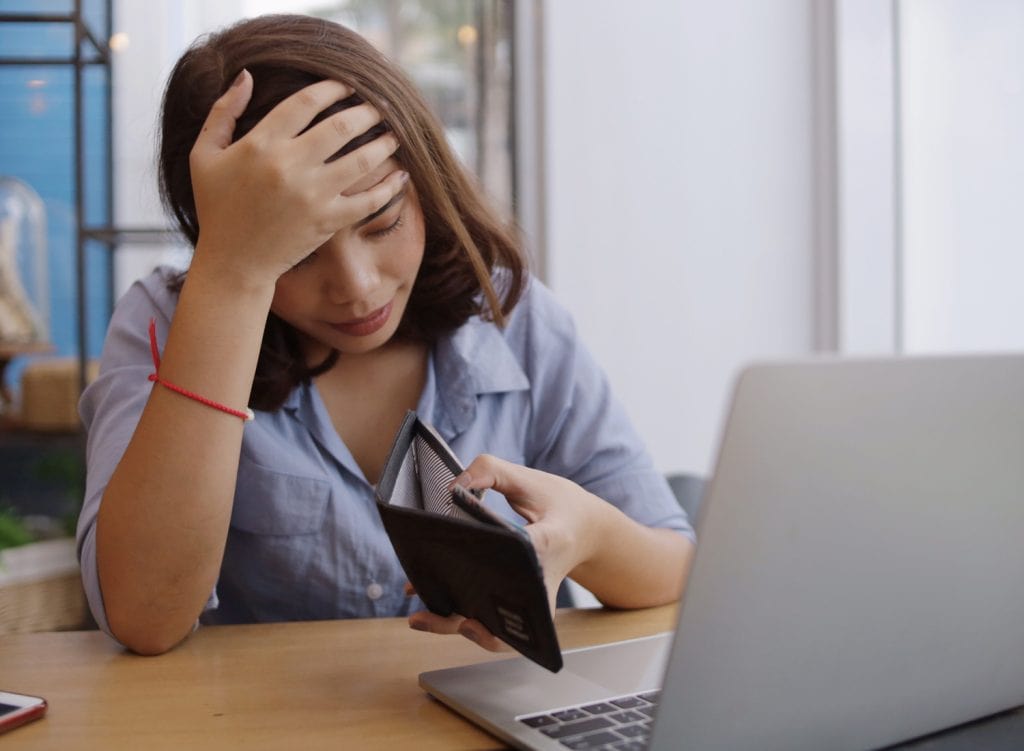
(65, 469)
(12, 530)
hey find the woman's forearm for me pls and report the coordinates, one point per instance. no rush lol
(634, 566)
(162, 525)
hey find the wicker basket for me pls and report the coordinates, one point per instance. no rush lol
(40, 588)
(49, 393)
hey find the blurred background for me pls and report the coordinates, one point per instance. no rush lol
(702, 184)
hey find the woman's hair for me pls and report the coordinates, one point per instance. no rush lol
(467, 250)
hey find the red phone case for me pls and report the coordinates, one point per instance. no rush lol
(23, 715)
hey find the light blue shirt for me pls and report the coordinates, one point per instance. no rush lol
(305, 540)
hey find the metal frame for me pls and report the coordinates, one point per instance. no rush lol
(859, 254)
(529, 177)
(898, 249)
(826, 177)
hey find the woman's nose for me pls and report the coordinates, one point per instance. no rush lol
(353, 274)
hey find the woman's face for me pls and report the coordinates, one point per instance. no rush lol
(351, 292)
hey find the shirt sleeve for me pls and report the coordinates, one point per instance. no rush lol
(110, 408)
(579, 429)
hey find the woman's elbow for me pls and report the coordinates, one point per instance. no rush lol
(149, 645)
(146, 640)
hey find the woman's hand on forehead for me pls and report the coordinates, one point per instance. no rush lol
(267, 200)
(292, 115)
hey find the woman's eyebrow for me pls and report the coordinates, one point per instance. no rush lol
(397, 197)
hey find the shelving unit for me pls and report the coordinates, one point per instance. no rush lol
(90, 48)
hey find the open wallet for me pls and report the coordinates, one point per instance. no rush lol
(459, 555)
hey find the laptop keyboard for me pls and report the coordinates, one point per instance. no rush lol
(619, 724)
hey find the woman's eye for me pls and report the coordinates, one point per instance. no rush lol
(385, 231)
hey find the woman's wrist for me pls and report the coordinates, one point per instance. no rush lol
(212, 268)
(601, 520)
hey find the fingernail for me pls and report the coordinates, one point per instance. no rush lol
(471, 635)
(404, 177)
(463, 480)
(416, 626)
(238, 79)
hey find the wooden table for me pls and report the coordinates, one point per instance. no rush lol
(327, 684)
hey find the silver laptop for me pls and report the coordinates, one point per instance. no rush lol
(859, 578)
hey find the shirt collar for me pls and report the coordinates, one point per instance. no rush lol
(474, 359)
(291, 402)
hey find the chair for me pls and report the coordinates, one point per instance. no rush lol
(689, 492)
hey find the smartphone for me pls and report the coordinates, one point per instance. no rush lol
(17, 709)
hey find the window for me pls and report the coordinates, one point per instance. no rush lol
(458, 52)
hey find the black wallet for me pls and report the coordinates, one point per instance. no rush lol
(460, 556)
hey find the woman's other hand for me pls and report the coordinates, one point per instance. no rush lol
(563, 520)
(574, 532)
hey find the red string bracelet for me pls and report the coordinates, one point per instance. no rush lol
(246, 414)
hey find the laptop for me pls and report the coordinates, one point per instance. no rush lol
(859, 579)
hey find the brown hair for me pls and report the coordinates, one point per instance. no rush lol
(472, 263)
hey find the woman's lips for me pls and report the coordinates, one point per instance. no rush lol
(365, 326)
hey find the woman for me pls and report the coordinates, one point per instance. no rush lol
(345, 270)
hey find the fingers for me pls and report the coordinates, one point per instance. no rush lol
(219, 127)
(424, 620)
(326, 138)
(293, 114)
(359, 206)
(455, 624)
(481, 474)
(477, 632)
(517, 483)
(356, 165)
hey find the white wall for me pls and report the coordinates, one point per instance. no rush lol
(680, 212)
(962, 78)
(865, 178)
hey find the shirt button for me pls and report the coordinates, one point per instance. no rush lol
(374, 591)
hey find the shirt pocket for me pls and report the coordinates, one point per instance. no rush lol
(268, 502)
